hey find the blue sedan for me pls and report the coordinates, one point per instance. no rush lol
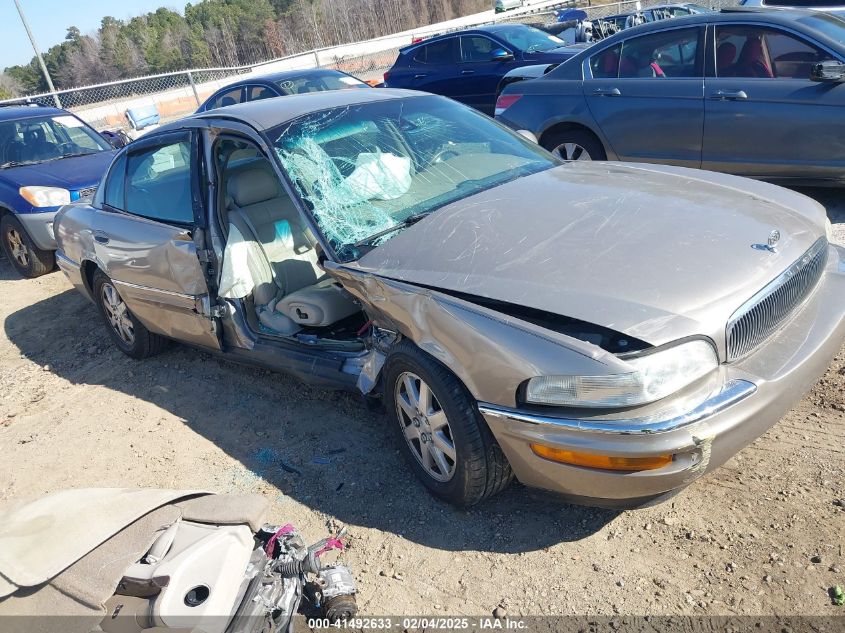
(48, 158)
(468, 65)
(757, 93)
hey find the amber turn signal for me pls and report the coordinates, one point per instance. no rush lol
(605, 462)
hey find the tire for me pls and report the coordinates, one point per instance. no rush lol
(583, 139)
(128, 333)
(29, 260)
(479, 469)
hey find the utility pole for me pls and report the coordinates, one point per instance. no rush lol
(38, 55)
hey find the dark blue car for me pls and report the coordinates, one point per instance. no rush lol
(468, 65)
(48, 158)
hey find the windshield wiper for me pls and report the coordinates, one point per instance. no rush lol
(411, 219)
(75, 155)
(20, 163)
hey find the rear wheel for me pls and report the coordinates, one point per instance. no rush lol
(575, 145)
(126, 331)
(443, 436)
(29, 260)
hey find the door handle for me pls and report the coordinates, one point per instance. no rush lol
(420, 76)
(102, 238)
(607, 92)
(467, 72)
(729, 95)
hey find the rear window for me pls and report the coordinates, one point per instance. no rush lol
(435, 53)
(319, 83)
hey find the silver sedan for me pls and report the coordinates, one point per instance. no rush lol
(606, 331)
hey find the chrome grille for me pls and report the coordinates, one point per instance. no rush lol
(84, 193)
(761, 315)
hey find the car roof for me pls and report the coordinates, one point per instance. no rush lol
(15, 112)
(267, 113)
(281, 76)
(488, 29)
(774, 16)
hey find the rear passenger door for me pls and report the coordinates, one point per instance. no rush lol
(763, 115)
(478, 73)
(144, 236)
(645, 94)
(432, 69)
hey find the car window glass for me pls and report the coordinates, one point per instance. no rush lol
(605, 65)
(365, 168)
(158, 183)
(230, 97)
(256, 93)
(436, 53)
(40, 139)
(764, 53)
(477, 49)
(114, 192)
(319, 83)
(661, 55)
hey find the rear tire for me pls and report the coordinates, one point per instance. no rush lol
(29, 260)
(575, 145)
(128, 333)
(471, 466)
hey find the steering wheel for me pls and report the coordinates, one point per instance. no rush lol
(443, 154)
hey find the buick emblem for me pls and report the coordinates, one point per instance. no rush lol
(771, 243)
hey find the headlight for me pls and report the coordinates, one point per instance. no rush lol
(45, 196)
(652, 377)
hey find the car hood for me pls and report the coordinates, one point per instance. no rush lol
(69, 173)
(658, 253)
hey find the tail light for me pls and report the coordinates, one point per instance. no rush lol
(506, 101)
(386, 75)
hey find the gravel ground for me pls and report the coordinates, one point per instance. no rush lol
(762, 535)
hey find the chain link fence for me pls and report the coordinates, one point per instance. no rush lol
(178, 94)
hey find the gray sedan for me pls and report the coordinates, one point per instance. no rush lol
(609, 332)
(757, 93)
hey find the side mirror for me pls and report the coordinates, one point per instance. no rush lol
(501, 55)
(828, 72)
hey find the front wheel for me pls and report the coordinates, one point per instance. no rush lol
(126, 330)
(29, 260)
(575, 145)
(443, 436)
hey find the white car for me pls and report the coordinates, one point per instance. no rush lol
(506, 5)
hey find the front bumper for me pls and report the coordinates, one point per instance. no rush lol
(39, 227)
(754, 395)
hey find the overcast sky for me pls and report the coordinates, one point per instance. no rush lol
(50, 19)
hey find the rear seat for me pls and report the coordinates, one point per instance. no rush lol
(292, 289)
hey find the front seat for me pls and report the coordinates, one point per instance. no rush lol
(294, 286)
(752, 60)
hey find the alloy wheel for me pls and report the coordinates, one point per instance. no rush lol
(425, 426)
(18, 248)
(117, 314)
(571, 151)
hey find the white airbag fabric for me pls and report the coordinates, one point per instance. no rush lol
(41, 538)
(241, 266)
(380, 177)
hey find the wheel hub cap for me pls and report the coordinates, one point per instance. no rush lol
(18, 249)
(572, 151)
(117, 314)
(425, 426)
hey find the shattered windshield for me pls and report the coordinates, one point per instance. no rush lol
(368, 170)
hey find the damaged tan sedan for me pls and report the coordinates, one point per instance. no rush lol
(610, 332)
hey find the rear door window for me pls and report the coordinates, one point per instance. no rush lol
(437, 53)
(662, 55)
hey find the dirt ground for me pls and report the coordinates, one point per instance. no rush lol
(762, 535)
